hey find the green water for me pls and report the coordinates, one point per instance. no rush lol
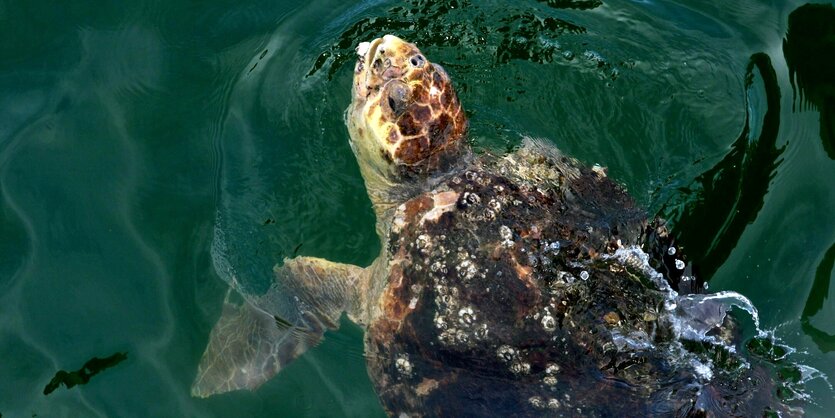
(133, 135)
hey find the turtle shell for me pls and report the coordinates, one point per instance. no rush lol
(502, 300)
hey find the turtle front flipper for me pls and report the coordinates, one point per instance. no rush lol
(252, 341)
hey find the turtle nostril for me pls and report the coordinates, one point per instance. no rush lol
(417, 61)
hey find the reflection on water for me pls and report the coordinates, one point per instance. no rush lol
(815, 302)
(809, 47)
(723, 200)
(126, 130)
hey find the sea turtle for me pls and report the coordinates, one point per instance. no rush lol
(514, 285)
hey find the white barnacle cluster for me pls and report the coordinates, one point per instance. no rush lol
(438, 268)
(469, 199)
(510, 355)
(456, 322)
(433, 252)
(466, 316)
(520, 367)
(466, 270)
(494, 207)
(506, 235)
(424, 244)
(551, 371)
(474, 177)
(539, 403)
(403, 365)
(506, 353)
(549, 323)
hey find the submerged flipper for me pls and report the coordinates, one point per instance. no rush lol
(247, 346)
(254, 340)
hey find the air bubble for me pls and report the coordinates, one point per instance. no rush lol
(671, 251)
(505, 232)
(549, 380)
(679, 264)
(584, 275)
(553, 404)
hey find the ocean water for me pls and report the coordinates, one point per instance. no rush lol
(133, 135)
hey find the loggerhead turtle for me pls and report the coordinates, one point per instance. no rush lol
(516, 285)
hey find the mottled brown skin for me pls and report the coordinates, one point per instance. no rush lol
(496, 293)
(411, 103)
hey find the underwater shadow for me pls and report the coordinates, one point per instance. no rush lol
(83, 375)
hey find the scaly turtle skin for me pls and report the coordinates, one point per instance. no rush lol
(507, 285)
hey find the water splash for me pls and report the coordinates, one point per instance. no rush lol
(700, 325)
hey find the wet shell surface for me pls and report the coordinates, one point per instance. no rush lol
(507, 302)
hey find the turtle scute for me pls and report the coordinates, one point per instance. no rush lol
(504, 300)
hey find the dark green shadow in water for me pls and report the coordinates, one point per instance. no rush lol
(83, 375)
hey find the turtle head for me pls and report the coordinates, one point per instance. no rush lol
(405, 119)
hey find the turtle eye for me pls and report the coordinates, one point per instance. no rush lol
(417, 61)
(360, 66)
